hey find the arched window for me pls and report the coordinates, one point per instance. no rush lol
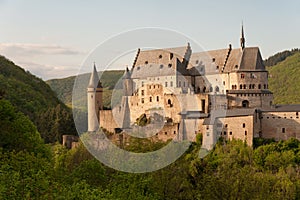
(250, 86)
(157, 98)
(253, 86)
(217, 89)
(211, 89)
(245, 87)
(259, 86)
(150, 99)
(241, 86)
(204, 89)
(245, 104)
(170, 103)
(265, 86)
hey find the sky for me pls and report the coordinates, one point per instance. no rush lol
(53, 38)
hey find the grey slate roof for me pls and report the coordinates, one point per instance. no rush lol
(94, 80)
(283, 108)
(152, 70)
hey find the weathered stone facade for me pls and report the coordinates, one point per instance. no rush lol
(220, 93)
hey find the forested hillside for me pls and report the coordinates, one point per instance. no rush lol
(33, 97)
(284, 79)
(63, 87)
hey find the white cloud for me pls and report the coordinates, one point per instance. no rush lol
(37, 49)
(43, 60)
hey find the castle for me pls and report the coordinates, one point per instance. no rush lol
(178, 94)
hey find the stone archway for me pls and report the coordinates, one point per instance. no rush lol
(245, 104)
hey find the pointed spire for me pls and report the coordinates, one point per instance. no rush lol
(242, 39)
(127, 73)
(94, 80)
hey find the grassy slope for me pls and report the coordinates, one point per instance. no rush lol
(284, 80)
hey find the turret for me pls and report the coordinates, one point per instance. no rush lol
(127, 83)
(94, 101)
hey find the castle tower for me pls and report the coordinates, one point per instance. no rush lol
(242, 39)
(127, 83)
(94, 101)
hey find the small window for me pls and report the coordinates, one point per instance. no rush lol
(179, 84)
(217, 67)
(236, 66)
(157, 98)
(241, 86)
(171, 56)
(142, 100)
(283, 130)
(146, 62)
(259, 86)
(230, 133)
(174, 132)
(217, 89)
(224, 82)
(213, 59)
(244, 125)
(245, 87)
(224, 133)
(142, 92)
(161, 66)
(138, 68)
(166, 133)
(197, 61)
(226, 125)
(245, 132)
(150, 99)
(171, 83)
(166, 84)
(170, 65)
(160, 56)
(242, 75)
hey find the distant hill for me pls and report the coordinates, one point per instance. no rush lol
(64, 87)
(279, 57)
(33, 97)
(284, 80)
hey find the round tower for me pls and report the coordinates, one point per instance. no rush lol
(94, 101)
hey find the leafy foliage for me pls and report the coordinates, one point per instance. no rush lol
(279, 57)
(284, 79)
(33, 97)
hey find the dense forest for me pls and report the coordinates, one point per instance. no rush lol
(33, 97)
(279, 57)
(30, 169)
(34, 165)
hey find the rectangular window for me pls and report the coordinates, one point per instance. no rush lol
(142, 92)
(142, 100)
(179, 84)
(283, 130)
(171, 83)
(245, 132)
(150, 99)
(157, 98)
(244, 125)
(166, 84)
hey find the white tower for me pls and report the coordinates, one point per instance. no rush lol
(94, 101)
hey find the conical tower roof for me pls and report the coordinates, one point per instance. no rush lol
(94, 80)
